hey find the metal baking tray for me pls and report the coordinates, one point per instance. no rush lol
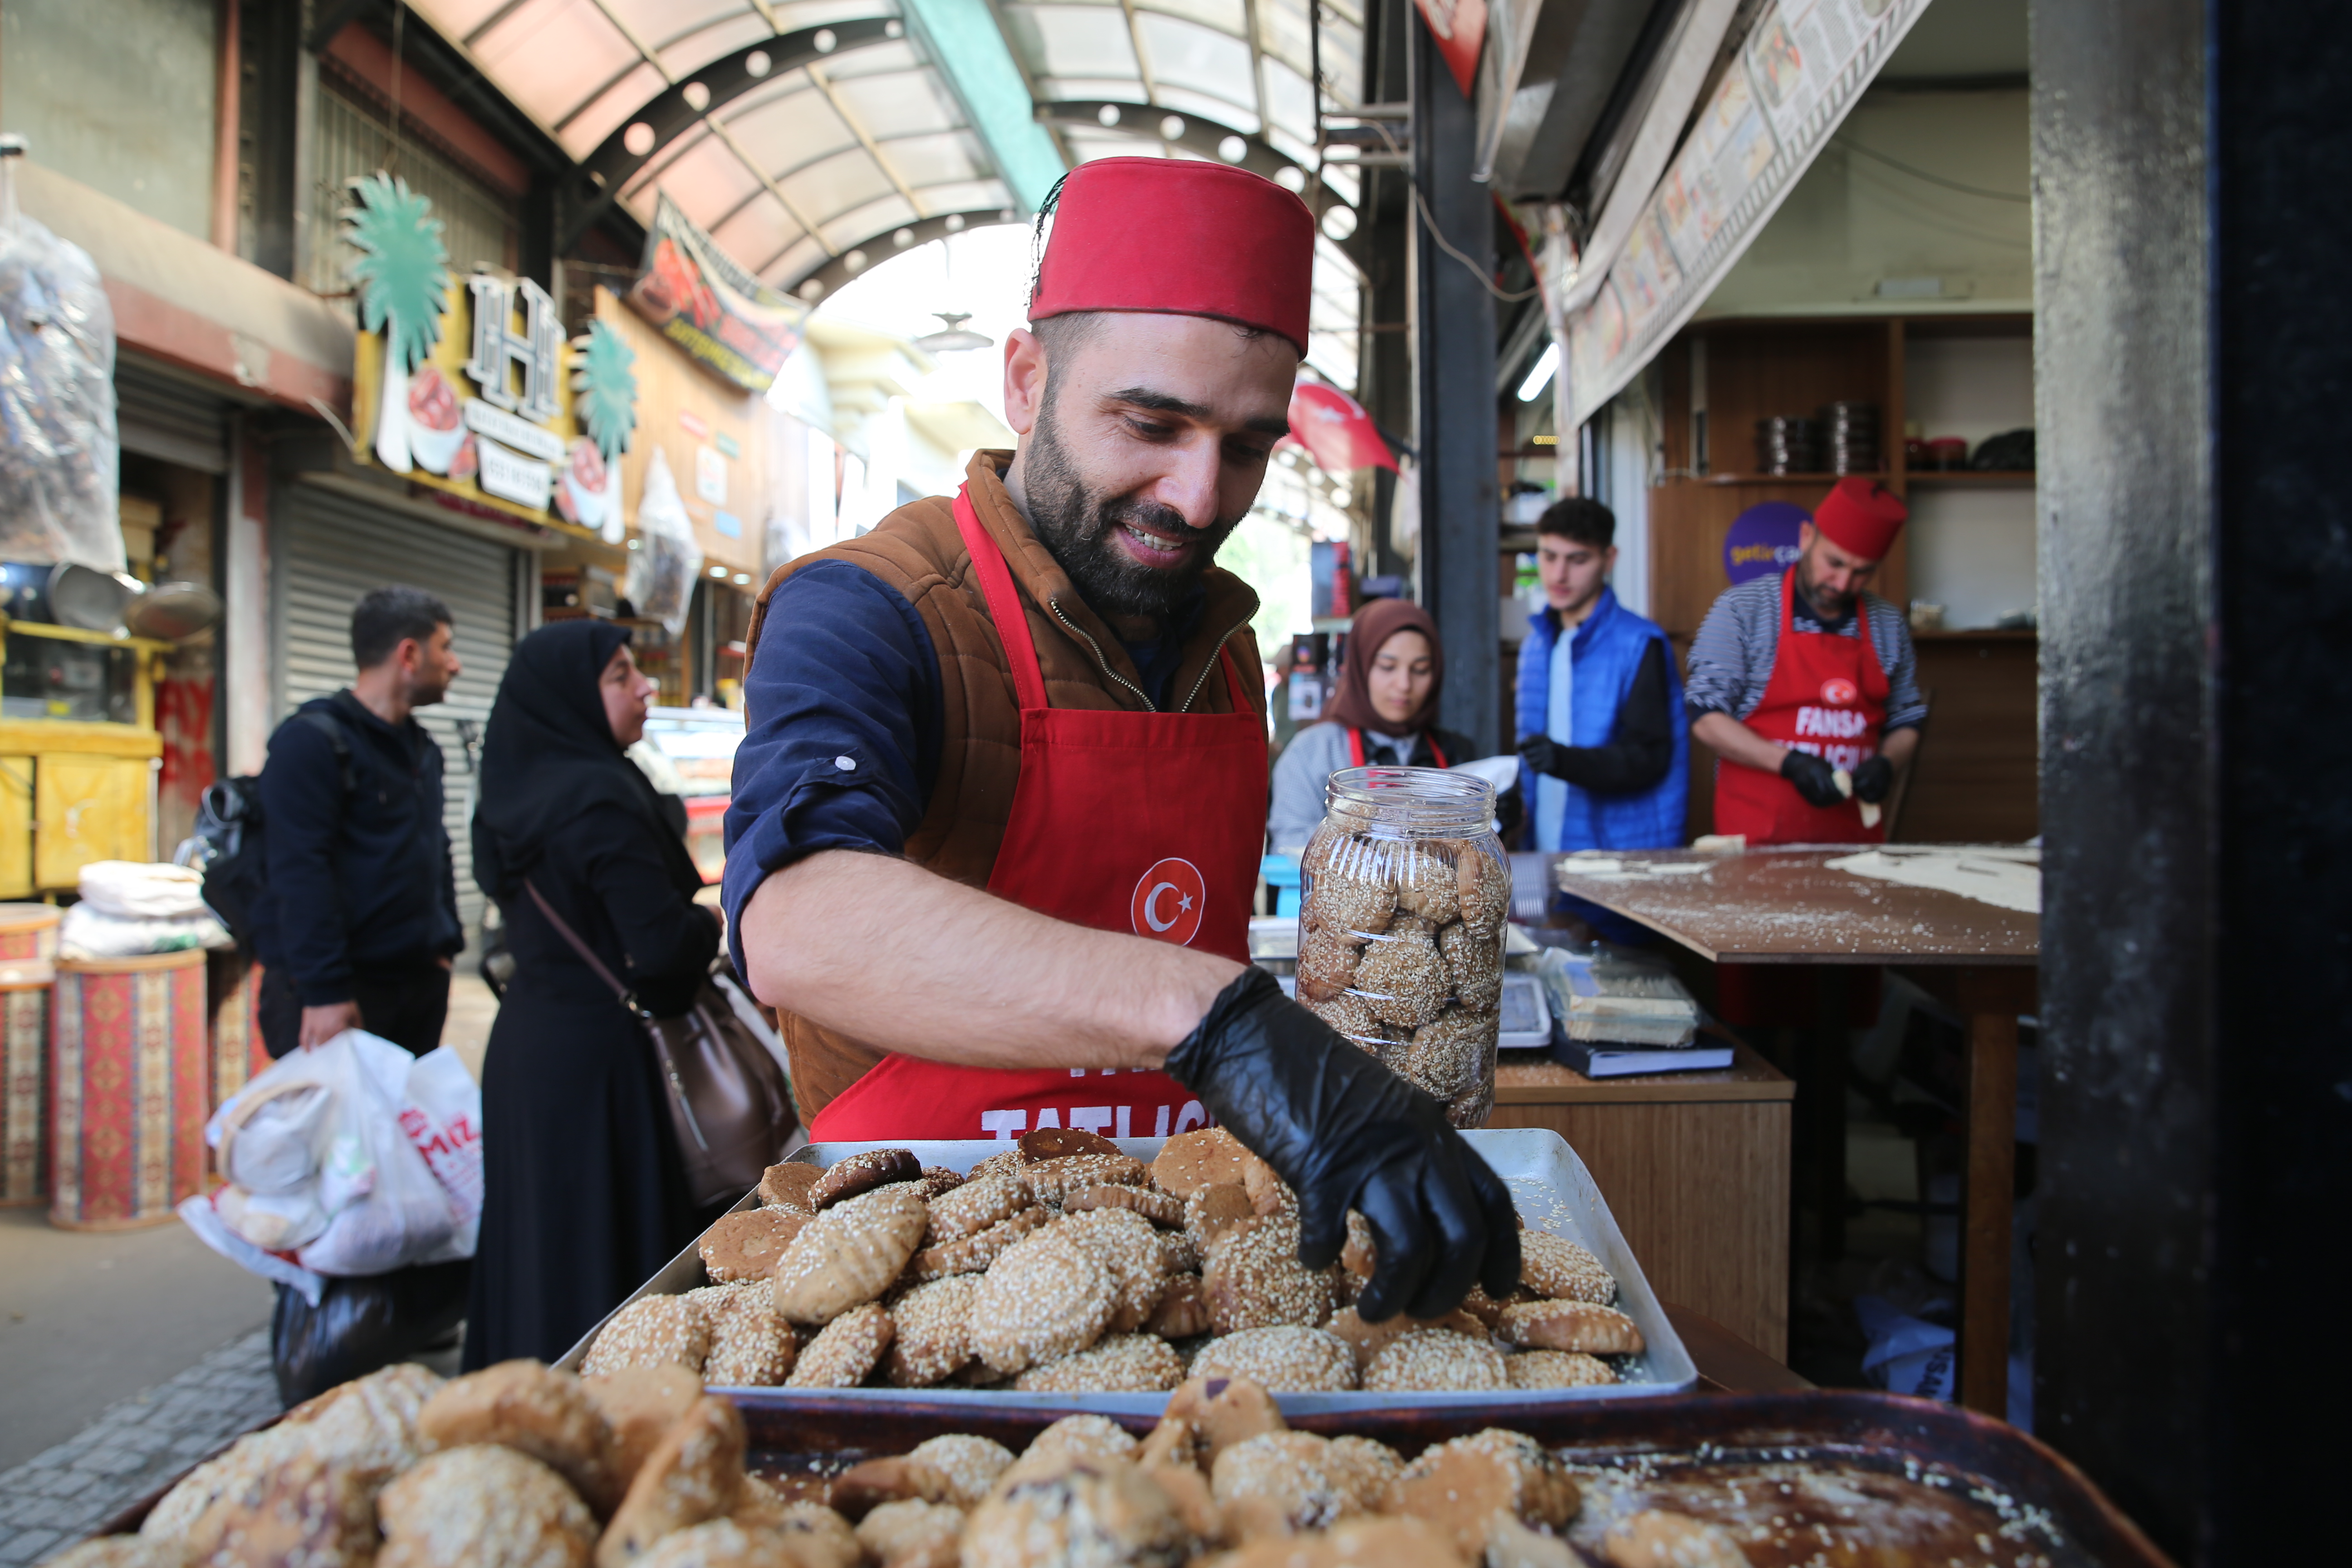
(1554, 1192)
(1885, 1477)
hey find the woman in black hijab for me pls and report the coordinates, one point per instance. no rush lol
(586, 1193)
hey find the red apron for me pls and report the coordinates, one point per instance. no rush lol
(1356, 749)
(1152, 822)
(1827, 695)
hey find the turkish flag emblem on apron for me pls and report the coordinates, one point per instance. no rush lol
(1149, 823)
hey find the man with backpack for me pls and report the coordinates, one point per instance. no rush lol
(356, 922)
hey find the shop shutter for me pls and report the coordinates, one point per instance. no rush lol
(159, 414)
(331, 550)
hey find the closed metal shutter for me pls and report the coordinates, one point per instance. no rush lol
(331, 550)
(159, 414)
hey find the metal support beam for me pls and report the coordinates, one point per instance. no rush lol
(1454, 345)
(2196, 1110)
(964, 40)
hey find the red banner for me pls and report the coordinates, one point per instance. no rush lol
(1336, 431)
(1460, 28)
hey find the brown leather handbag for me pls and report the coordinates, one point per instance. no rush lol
(728, 1099)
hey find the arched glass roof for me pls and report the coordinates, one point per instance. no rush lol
(810, 136)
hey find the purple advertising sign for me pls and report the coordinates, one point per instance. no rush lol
(1763, 538)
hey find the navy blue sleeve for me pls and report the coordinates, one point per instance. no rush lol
(842, 699)
(301, 801)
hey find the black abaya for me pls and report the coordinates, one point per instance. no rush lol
(585, 1193)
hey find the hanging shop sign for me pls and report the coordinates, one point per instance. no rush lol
(723, 317)
(1804, 65)
(469, 385)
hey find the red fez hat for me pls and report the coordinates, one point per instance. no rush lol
(1862, 517)
(1172, 236)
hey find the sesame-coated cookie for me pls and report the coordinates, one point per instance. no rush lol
(694, 1474)
(1278, 1483)
(721, 1543)
(787, 1185)
(752, 1346)
(818, 1538)
(1462, 1485)
(936, 1179)
(1160, 1208)
(307, 1509)
(1570, 1326)
(524, 1406)
(845, 1351)
(650, 1331)
(1212, 1211)
(1483, 885)
(641, 1405)
(911, 1533)
(1353, 1018)
(1289, 1360)
(974, 1207)
(1473, 961)
(1326, 963)
(957, 1467)
(1556, 1369)
(1431, 1360)
(975, 1252)
(1182, 1312)
(1045, 1298)
(1428, 885)
(1368, 1340)
(1217, 1413)
(1007, 1164)
(746, 1245)
(1558, 1269)
(1365, 1470)
(1191, 1162)
(1403, 980)
(1053, 1179)
(1127, 1246)
(1352, 893)
(934, 1330)
(860, 1174)
(1451, 1054)
(1660, 1537)
(1115, 1363)
(1062, 1142)
(121, 1551)
(849, 1253)
(1104, 1513)
(1252, 1278)
(1083, 1436)
(481, 1504)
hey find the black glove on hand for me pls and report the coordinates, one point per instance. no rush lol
(1873, 779)
(1814, 778)
(1540, 753)
(1346, 1134)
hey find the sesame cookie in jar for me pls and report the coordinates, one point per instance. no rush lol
(1404, 894)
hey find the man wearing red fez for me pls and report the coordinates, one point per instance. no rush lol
(998, 813)
(1807, 687)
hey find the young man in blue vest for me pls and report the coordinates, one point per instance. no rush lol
(1599, 705)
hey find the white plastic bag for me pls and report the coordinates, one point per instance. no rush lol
(386, 1209)
(87, 931)
(667, 560)
(134, 889)
(441, 1114)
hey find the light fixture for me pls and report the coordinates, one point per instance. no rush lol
(742, 579)
(1540, 376)
(953, 336)
(719, 572)
(637, 544)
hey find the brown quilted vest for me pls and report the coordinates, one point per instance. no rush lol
(918, 551)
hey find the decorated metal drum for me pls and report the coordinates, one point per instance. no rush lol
(234, 1000)
(28, 944)
(129, 1088)
(23, 1094)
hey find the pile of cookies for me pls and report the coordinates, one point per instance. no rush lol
(515, 1467)
(1222, 1480)
(1401, 950)
(1064, 1266)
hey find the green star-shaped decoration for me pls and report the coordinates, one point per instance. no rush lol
(402, 271)
(605, 390)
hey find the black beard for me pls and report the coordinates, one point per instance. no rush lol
(1075, 525)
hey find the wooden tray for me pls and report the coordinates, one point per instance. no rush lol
(1888, 1478)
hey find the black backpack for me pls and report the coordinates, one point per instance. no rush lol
(228, 845)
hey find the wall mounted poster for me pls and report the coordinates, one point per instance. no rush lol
(717, 315)
(469, 385)
(1803, 66)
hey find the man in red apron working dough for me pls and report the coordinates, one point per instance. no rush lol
(1794, 681)
(998, 813)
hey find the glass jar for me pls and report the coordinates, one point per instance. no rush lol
(1404, 895)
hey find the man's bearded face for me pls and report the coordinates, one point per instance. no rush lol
(1127, 557)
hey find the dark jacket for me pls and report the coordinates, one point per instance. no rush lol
(357, 879)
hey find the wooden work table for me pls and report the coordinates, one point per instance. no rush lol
(1788, 906)
(1695, 1166)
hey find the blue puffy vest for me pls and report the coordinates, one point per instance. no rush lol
(1604, 656)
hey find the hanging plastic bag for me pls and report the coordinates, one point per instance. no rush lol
(441, 1114)
(58, 452)
(667, 560)
(356, 1326)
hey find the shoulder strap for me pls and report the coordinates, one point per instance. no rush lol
(326, 723)
(587, 954)
(1004, 604)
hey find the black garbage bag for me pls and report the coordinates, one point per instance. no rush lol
(363, 1324)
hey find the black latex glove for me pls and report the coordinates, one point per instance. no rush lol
(1346, 1134)
(1540, 753)
(1814, 778)
(1873, 779)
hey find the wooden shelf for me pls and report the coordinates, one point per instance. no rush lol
(1974, 478)
(1981, 478)
(1803, 482)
